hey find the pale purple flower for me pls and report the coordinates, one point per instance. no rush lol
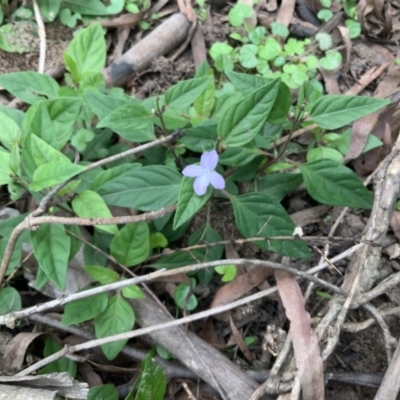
(205, 173)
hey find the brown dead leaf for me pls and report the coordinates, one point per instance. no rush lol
(239, 287)
(14, 353)
(344, 31)
(123, 20)
(395, 224)
(366, 79)
(311, 215)
(239, 341)
(331, 83)
(359, 135)
(305, 343)
(185, 7)
(210, 335)
(286, 12)
(271, 5)
(389, 82)
(387, 129)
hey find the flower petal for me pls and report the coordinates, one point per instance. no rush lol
(216, 179)
(193, 171)
(200, 184)
(209, 160)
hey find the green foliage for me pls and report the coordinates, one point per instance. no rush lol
(117, 318)
(151, 383)
(51, 246)
(103, 392)
(131, 245)
(10, 300)
(237, 117)
(84, 309)
(63, 364)
(183, 296)
(228, 272)
(274, 55)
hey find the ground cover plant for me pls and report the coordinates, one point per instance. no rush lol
(223, 138)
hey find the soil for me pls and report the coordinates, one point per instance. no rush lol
(360, 352)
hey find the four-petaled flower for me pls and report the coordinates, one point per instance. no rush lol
(205, 173)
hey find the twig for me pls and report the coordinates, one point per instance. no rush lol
(363, 270)
(42, 37)
(143, 331)
(171, 369)
(307, 239)
(360, 326)
(9, 319)
(28, 221)
(390, 341)
(164, 273)
(391, 383)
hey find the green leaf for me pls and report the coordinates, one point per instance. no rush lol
(239, 156)
(248, 56)
(5, 170)
(153, 382)
(228, 272)
(189, 202)
(16, 115)
(53, 120)
(246, 83)
(323, 153)
(131, 121)
(257, 214)
(102, 274)
(270, 50)
(324, 40)
(105, 176)
(277, 186)
(103, 104)
(243, 120)
(10, 134)
(63, 364)
(157, 239)
(133, 292)
(332, 183)
(177, 260)
(279, 29)
(201, 138)
(88, 50)
(15, 160)
(148, 188)
(52, 173)
(184, 298)
(89, 204)
(51, 246)
(205, 102)
(186, 92)
(354, 28)
(331, 61)
(88, 7)
(238, 13)
(43, 153)
(49, 9)
(29, 86)
(131, 245)
(10, 300)
(336, 111)
(84, 309)
(117, 318)
(103, 392)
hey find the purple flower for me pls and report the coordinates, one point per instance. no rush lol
(205, 173)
